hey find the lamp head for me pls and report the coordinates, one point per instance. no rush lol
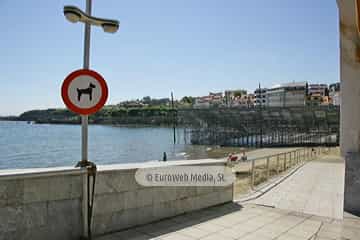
(72, 17)
(110, 27)
(73, 14)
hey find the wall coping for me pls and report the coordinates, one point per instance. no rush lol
(154, 164)
(8, 174)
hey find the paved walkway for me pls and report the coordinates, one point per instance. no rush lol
(316, 188)
(244, 222)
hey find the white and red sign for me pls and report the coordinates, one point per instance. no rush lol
(84, 91)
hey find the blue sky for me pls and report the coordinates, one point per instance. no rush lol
(190, 47)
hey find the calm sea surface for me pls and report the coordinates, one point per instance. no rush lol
(24, 145)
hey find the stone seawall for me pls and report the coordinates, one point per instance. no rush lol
(49, 204)
(41, 204)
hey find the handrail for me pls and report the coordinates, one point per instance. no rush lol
(300, 155)
(274, 155)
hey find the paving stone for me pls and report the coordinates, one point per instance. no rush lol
(129, 235)
(209, 227)
(176, 236)
(194, 232)
(216, 237)
(255, 236)
(234, 232)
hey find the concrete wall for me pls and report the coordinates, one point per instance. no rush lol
(36, 205)
(350, 98)
(121, 202)
(48, 203)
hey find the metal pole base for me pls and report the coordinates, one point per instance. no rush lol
(84, 163)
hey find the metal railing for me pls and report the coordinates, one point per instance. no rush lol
(263, 168)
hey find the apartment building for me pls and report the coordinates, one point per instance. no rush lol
(287, 95)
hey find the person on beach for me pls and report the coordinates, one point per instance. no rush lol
(164, 157)
(243, 157)
(232, 157)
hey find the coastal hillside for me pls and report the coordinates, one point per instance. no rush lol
(114, 115)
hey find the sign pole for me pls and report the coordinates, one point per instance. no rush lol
(84, 128)
(86, 65)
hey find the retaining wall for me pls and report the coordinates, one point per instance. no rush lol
(41, 204)
(49, 204)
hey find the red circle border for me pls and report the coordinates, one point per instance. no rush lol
(73, 107)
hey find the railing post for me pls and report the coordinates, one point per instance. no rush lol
(277, 164)
(289, 159)
(298, 157)
(307, 154)
(252, 173)
(314, 154)
(267, 168)
(304, 155)
(284, 161)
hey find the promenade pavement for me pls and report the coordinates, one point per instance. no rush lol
(305, 205)
(316, 188)
(244, 222)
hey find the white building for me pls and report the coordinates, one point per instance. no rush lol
(334, 93)
(260, 98)
(317, 89)
(287, 95)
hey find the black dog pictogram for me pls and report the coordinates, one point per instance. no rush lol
(85, 91)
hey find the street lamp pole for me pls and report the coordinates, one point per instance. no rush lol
(74, 15)
(86, 65)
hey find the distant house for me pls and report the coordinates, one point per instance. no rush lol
(132, 104)
(245, 101)
(287, 95)
(216, 99)
(202, 102)
(317, 94)
(213, 99)
(231, 97)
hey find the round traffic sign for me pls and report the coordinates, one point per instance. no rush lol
(84, 91)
